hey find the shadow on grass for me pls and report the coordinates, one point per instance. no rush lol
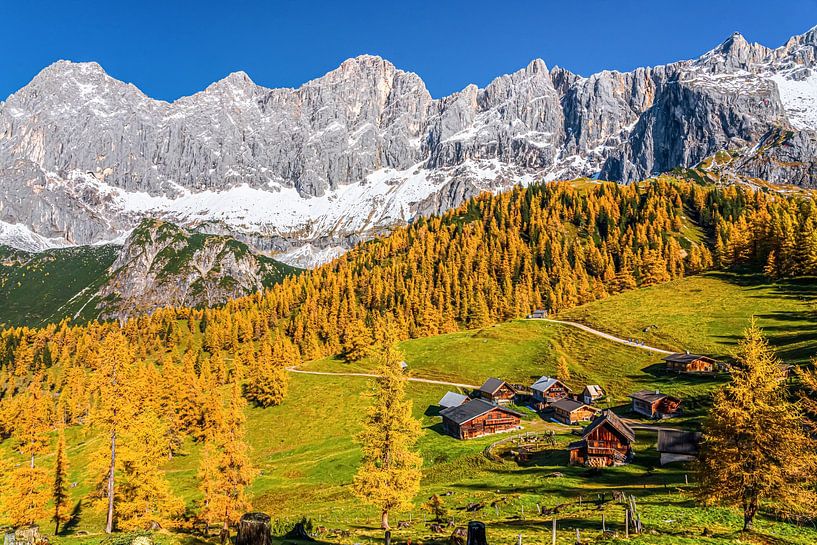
(73, 521)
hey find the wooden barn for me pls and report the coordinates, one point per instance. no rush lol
(690, 363)
(607, 441)
(592, 393)
(477, 418)
(497, 391)
(654, 404)
(569, 411)
(678, 445)
(548, 390)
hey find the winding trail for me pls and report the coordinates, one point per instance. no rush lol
(577, 325)
(372, 375)
(607, 336)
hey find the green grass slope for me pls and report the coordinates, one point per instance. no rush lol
(708, 313)
(37, 288)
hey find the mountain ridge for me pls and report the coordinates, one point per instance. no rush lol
(346, 156)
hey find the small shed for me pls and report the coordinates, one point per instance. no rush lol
(592, 393)
(607, 441)
(678, 445)
(690, 363)
(538, 314)
(569, 411)
(654, 404)
(453, 399)
(497, 391)
(477, 418)
(548, 390)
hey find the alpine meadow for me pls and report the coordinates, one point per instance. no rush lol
(553, 309)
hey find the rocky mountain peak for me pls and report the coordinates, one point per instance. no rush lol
(365, 146)
(734, 53)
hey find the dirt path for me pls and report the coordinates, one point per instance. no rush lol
(372, 375)
(577, 325)
(607, 336)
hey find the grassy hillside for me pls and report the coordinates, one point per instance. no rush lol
(37, 288)
(306, 453)
(708, 313)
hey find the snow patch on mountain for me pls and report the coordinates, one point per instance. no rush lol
(799, 97)
(21, 237)
(309, 256)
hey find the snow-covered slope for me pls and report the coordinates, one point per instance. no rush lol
(303, 173)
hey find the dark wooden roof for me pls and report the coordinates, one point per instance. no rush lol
(577, 444)
(610, 418)
(569, 405)
(686, 357)
(492, 385)
(477, 407)
(679, 441)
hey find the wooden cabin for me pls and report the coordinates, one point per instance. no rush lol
(654, 404)
(538, 314)
(569, 411)
(607, 441)
(592, 393)
(453, 399)
(548, 390)
(477, 418)
(690, 363)
(497, 391)
(678, 445)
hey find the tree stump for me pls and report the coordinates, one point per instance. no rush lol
(476, 533)
(254, 529)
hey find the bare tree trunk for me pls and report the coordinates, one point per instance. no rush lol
(384, 520)
(224, 535)
(109, 520)
(749, 511)
(32, 461)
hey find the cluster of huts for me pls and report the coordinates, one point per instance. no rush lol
(606, 441)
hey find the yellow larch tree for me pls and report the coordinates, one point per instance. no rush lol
(225, 471)
(114, 406)
(389, 474)
(756, 450)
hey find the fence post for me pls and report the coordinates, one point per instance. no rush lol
(627, 523)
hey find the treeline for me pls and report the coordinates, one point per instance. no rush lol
(186, 373)
(764, 231)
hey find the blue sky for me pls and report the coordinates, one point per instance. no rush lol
(173, 48)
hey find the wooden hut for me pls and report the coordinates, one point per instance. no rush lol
(592, 393)
(654, 404)
(690, 363)
(569, 411)
(497, 391)
(607, 441)
(477, 418)
(548, 390)
(678, 445)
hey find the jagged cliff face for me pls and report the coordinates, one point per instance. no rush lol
(162, 264)
(83, 157)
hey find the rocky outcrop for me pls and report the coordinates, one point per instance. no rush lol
(162, 264)
(782, 157)
(84, 157)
